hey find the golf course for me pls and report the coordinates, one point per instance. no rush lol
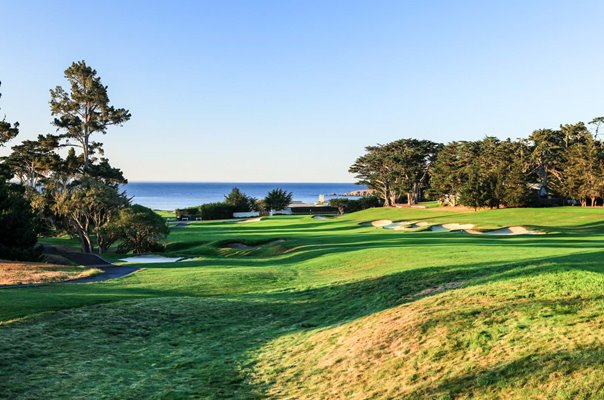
(300, 307)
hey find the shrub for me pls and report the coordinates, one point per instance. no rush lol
(141, 230)
(278, 199)
(240, 201)
(211, 211)
(345, 205)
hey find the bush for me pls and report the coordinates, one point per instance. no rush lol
(240, 201)
(278, 199)
(211, 211)
(141, 230)
(345, 205)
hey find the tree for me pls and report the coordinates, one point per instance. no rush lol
(240, 201)
(140, 230)
(84, 110)
(516, 178)
(583, 172)
(87, 206)
(340, 203)
(376, 170)
(18, 235)
(547, 156)
(33, 160)
(450, 169)
(278, 199)
(474, 192)
(396, 168)
(597, 123)
(8, 130)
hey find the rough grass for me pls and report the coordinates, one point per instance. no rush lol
(23, 273)
(341, 311)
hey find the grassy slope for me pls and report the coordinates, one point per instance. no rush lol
(19, 273)
(339, 309)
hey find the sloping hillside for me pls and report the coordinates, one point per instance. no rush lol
(337, 308)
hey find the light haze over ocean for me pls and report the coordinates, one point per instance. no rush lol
(172, 195)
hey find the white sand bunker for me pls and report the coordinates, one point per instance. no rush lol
(509, 231)
(248, 220)
(380, 223)
(451, 227)
(420, 224)
(320, 217)
(397, 226)
(243, 246)
(151, 259)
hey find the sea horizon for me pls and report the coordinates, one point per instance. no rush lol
(170, 195)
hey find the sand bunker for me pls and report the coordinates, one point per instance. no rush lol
(151, 259)
(245, 221)
(416, 225)
(397, 226)
(509, 231)
(380, 223)
(458, 227)
(320, 217)
(451, 227)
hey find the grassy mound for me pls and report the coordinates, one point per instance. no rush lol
(26, 273)
(524, 337)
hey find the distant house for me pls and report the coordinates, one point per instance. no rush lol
(300, 208)
(544, 197)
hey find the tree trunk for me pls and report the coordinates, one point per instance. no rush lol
(86, 242)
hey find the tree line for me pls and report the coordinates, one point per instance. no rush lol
(550, 167)
(78, 193)
(237, 201)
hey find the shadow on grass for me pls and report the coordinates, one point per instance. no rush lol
(517, 373)
(220, 334)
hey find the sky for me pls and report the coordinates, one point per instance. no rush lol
(292, 91)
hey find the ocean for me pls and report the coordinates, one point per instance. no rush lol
(172, 195)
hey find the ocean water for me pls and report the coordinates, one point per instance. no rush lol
(172, 195)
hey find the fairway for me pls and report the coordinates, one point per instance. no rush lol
(327, 308)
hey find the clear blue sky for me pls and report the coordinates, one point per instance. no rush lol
(293, 90)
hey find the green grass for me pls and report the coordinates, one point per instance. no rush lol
(338, 309)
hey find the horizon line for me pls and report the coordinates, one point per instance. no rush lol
(138, 181)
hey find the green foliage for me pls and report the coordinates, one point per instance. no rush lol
(87, 206)
(140, 230)
(8, 130)
(18, 234)
(345, 205)
(277, 199)
(32, 160)
(212, 211)
(396, 169)
(240, 201)
(84, 110)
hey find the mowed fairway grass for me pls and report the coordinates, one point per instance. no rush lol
(327, 309)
